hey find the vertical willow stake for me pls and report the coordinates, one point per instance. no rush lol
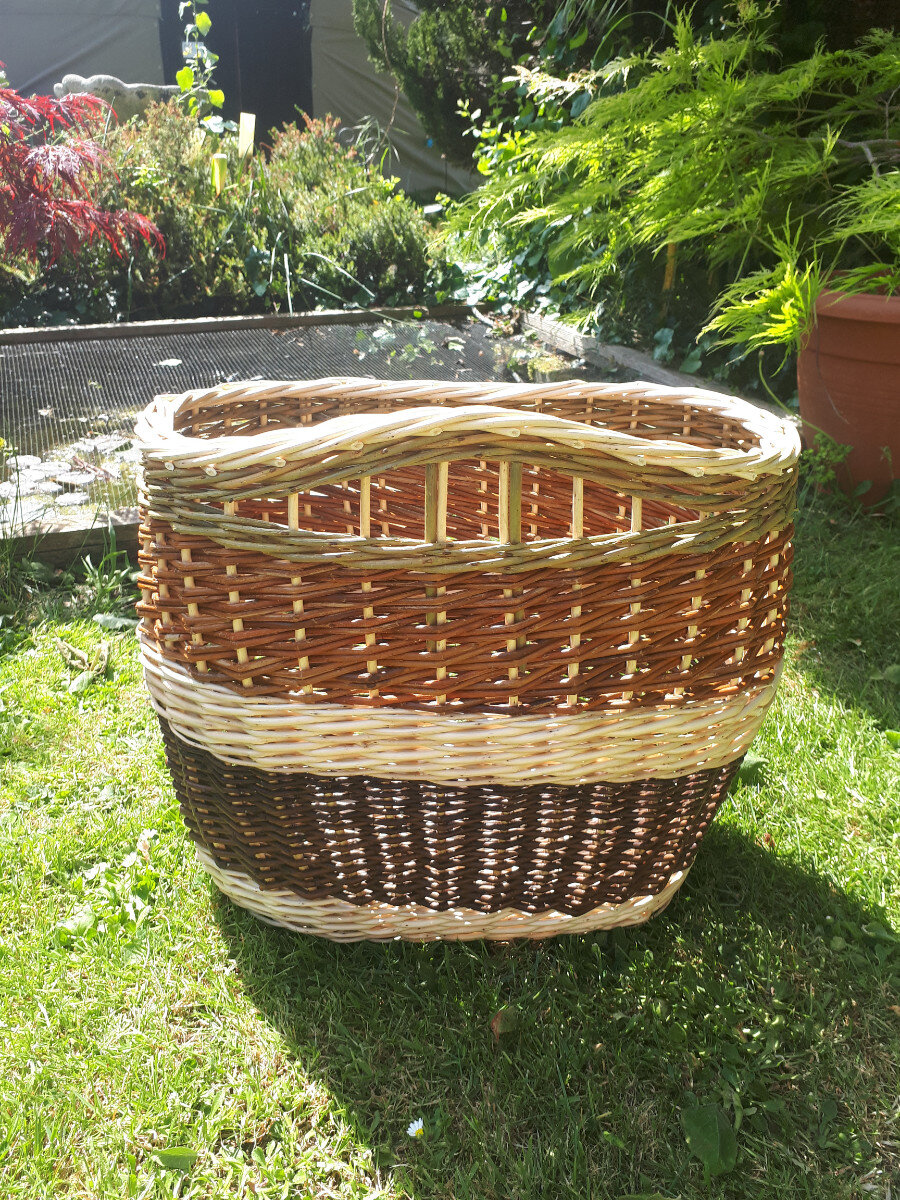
(634, 635)
(436, 483)
(365, 530)
(234, 597)
(772, 590)
(577, 532)
(193, 610)
(510, 503)
(744, 622)
(293, 510)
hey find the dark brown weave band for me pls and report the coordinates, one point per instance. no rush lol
(359, 840)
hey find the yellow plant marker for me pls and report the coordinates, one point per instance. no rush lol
(219, 172)
(246, 133)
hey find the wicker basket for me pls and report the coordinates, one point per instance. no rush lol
(455, 661)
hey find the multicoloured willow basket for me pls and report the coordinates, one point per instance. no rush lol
(449, 661)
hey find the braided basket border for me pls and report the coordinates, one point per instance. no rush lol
(341, 922)
(741, 493)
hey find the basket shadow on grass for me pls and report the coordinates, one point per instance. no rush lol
(760, 979)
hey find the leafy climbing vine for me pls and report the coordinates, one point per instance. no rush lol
(195, 78)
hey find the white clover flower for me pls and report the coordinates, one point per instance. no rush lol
(416, 1128)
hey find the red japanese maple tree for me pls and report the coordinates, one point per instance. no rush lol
(50, 164)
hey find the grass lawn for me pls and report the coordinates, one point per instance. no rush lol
(140, 1013)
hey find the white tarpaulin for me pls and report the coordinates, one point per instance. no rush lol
(42, 40)
(347, 85)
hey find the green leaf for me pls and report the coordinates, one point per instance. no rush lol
(662, 351)
(828, 1111)
(506, 1020)
(753, 769)
(216, 97)
(579, 104)
(879, 934)
(892, 673)
(256, 265)
(827, 1114)
(111, 621)
(177, 1158)
(204, 23)
(563, 257)
(82, 682)
(893, 737)
(710, 1137)
(82, 921)
(185, 79)
(691, 364)
(579, 39)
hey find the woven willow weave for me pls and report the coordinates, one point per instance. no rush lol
(451, 661)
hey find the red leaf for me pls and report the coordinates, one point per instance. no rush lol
(48, 167)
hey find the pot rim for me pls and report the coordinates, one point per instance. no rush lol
(867, 306)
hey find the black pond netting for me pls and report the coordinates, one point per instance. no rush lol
(71, 405)
(52, 393)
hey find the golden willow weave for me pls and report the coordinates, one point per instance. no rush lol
(455, 661)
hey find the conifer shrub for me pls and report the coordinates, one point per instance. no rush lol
(694, 168)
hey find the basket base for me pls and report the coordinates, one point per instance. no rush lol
(340, 921)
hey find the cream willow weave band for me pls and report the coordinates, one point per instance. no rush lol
(465, 748)
(343, 922)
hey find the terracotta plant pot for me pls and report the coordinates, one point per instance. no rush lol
(848, 377)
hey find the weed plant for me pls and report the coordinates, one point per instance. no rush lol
(33, 593)
(159, 1042)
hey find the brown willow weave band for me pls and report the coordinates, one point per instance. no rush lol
(436, 668)
(369, 639)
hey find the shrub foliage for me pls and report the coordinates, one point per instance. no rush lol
(454, 56)
(692, 167)
(457, 56)
(308, 223)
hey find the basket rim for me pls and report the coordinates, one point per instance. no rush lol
(469, 412)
